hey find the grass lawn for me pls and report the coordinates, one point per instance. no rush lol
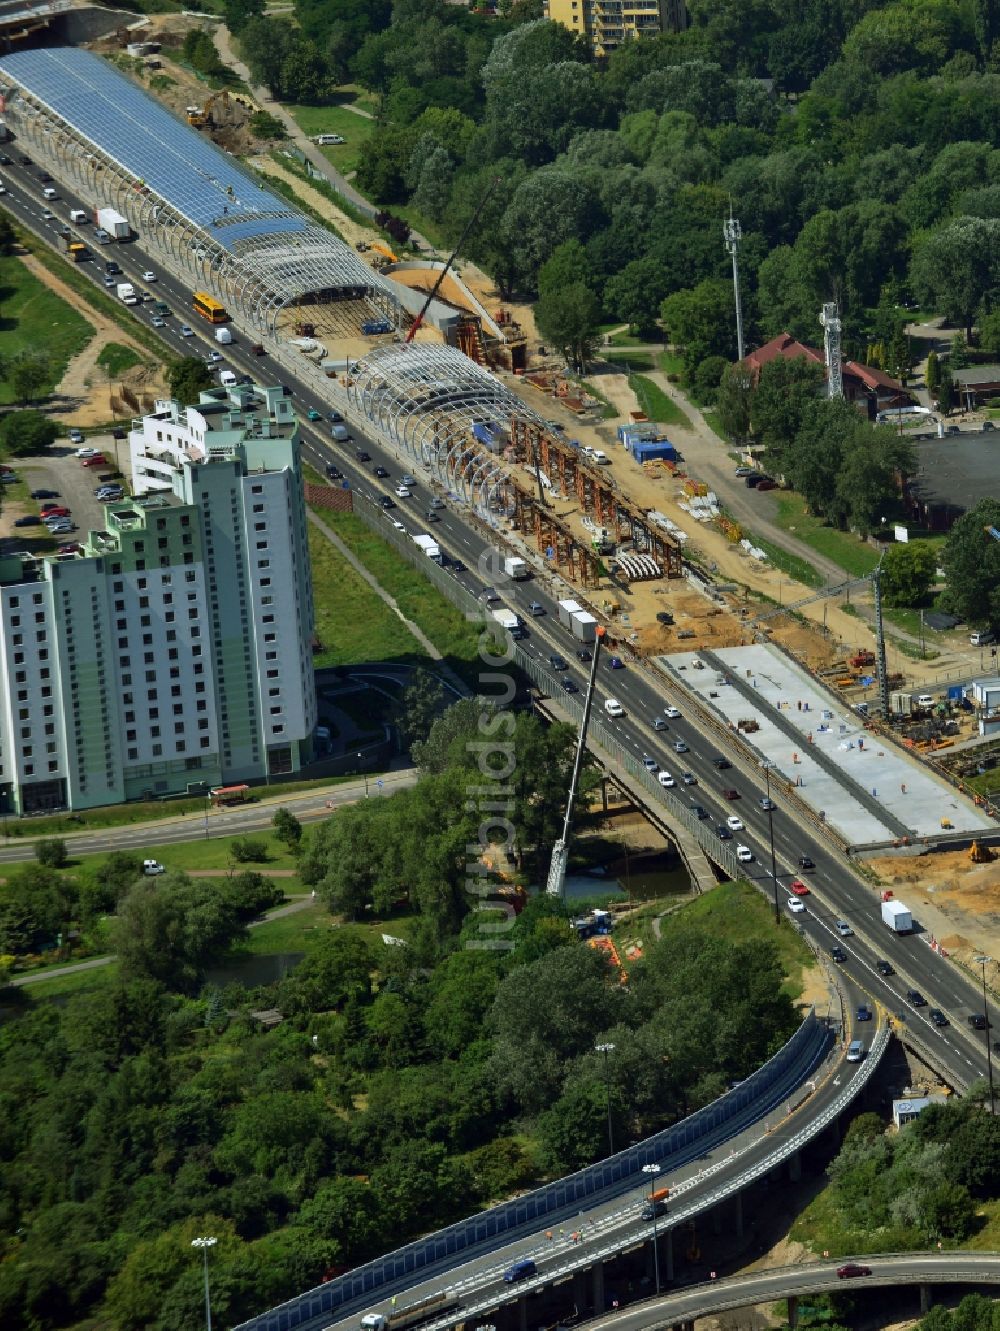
(352, 623)
(631, 360)
(909, 622)
(633, 340)
(116, 359)
(738, 912)
(64, 987)
(655, 403)
(711, 418)
(671, 363)
(794, 565)
(298, 932)
(35, 319)
(853, 555)
(419, 599)
(987, 784)
(354, 129)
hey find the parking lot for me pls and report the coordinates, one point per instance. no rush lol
(59, 470)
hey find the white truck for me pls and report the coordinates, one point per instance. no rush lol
(567, 609)
(126, 293)
(516, 568)
(896, 917)
(429, 546)
(111, 221)
(224, 336)
(508, 620)
(584, 626)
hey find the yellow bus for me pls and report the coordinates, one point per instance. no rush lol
(209, 308)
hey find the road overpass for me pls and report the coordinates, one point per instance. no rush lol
(923, 1270)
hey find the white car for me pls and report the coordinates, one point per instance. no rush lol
(734, 824)
(85, 453)
(672, 712)
(665, 779)
(403, 492)
(152, 867)
(149, 276)
(185, 331)
(925, 700)
(613, 707)
(744, 854)
(795, 906)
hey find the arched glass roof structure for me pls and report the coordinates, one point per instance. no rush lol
(122, 149)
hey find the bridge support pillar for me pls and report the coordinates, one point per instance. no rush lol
(716, 1220)
(598, 1288)
(835, 1131)
(793, 1313)
(738, 1203)
(795, 1168)
(926, 1298)
(667, 1257)
(580, 1290)
(522, 1315)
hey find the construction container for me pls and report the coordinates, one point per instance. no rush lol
(652, 450)
(901, 704)
(583, 626)
(567, 609)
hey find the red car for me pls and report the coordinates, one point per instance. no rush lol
(853, 1269)
(56, 511)
(99, 461)
(798, 888)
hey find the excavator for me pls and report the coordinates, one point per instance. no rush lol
(201, 116)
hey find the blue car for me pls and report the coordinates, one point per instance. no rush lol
(616, 663)
(864, 1012)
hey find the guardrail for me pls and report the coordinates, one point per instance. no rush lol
(554, 1201)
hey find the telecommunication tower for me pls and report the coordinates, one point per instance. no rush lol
(732, 234)
(830, 319)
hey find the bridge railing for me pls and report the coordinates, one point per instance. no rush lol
(554, 1201)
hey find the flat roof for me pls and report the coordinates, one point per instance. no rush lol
(895, 787)
(955, 472)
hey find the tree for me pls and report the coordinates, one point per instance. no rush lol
(26, 433)
(957, 268)
(971, 563)
(29, 374)
(187, 378)
(169, 929)
(784, 389)
(287, 828)
(635, 294)
(249, 850)
(422, 704)
(875, 463)
(570, 319)
(908, 570)
(958, 356)
(734, 401)
(932, 376)
(52, 853)
(238, 13)
(701, 321)
(946, 391)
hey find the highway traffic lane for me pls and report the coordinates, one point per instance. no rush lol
(639, 694)
(811, 1277)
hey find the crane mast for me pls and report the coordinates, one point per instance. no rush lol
(556, 882)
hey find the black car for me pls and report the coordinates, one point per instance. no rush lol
(721, 764)
(937, 1016)
(698, 811)
(977, 1021)
(838, 953)
(568, 685)
(335, 418)
(884, 968)
(584, 654)
(334, 473)
(664, 617)
(805, 862)
(724, 832)
(362, 456)
(653, 1209)
(915, 998)
(44, 177)
(5, 160)
(45, 494)
(458, 566)
(25, 161)
(386, 502)
(31, 520)
(382, 473)
(558, 662)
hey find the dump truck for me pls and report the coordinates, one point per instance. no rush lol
(424, 1310)
(862, 658)
(896, 917)
(125, 292)
(111, 221)
(429, 546)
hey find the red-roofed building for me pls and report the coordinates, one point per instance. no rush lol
(864, 385)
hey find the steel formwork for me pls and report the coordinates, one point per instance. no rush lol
(95, 129)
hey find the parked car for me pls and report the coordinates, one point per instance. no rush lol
(45, 494)
(30, 520)
(152, 867)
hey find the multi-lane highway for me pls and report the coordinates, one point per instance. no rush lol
(836, 892)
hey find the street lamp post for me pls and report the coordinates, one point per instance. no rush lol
(204, 1244)
(982, 960)
(365, 776)
(651, 1172)
(208, 804)
(606, 1049)
(770, 834)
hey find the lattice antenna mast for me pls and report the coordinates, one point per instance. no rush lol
(830, 319)
(732, 235)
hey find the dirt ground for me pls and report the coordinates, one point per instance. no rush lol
(955, 901)
(84, 396)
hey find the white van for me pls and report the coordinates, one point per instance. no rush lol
(77, 215)
(328, 140)
(855, 1051)
(49, 193)
(227, 379)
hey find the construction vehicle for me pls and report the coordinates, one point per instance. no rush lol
(305, 330)
(201, 117)
(980, 854)
(556, 884)
(450, 261)
(424, 1310)
(861, 658)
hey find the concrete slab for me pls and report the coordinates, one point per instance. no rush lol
(879, 790)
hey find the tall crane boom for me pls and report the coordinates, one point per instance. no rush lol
(556, 883)
(451, 259)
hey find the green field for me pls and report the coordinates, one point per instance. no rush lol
(853, 555)
(630, 361)
(355, 130)
(116, 359)
(655, 403)
(794, 565)
(34, 318)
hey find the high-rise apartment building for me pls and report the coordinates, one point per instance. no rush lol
(175, 652)
(607, 24)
